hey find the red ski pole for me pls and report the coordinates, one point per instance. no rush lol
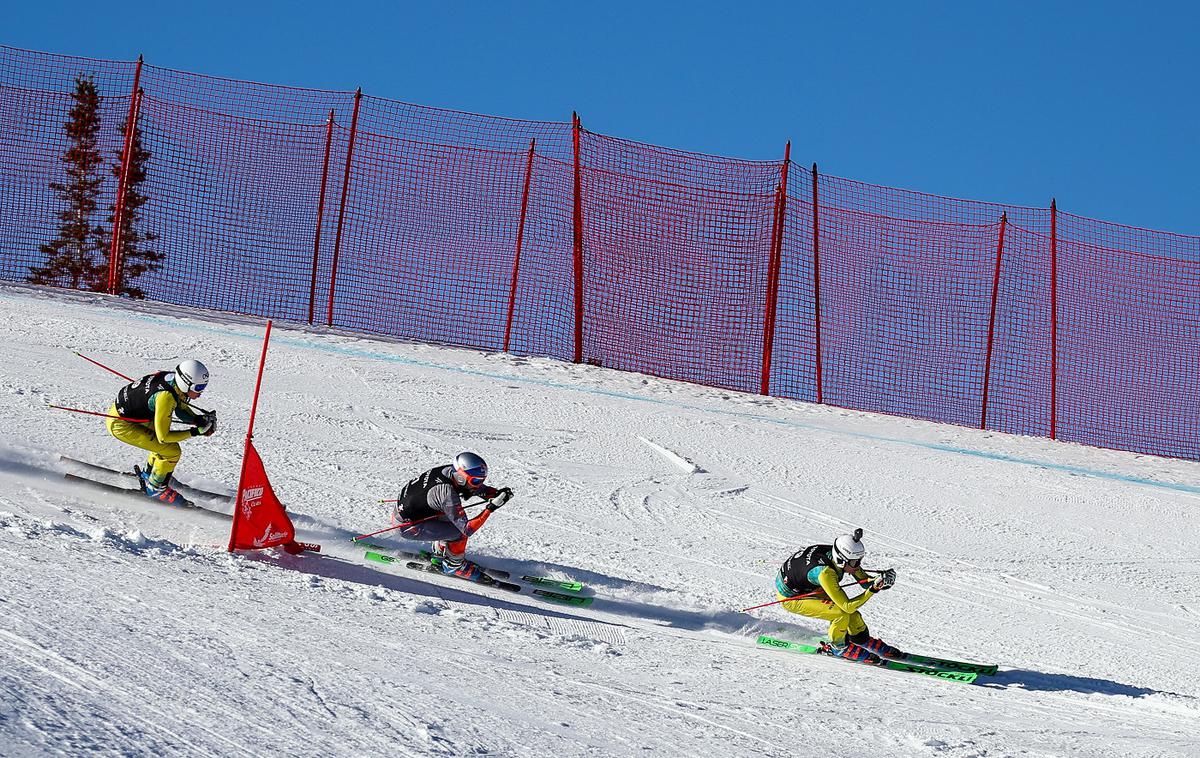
(406, 523)
(784, 600)
(102, 415)
(814, 593)
(126, 378)
(101, 365)
(390, 528)
(468, 505)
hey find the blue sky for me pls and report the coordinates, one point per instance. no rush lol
(1093, 103)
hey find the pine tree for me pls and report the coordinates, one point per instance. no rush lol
(134, 259)
(76, 258)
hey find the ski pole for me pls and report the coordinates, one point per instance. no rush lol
(390, 528)
(784, 600)
(406, 523)
(468, 505)
(102, 415)
(101, 365)
(126, 378)
(814, 593)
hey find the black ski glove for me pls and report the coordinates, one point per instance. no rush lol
(884, 581)
(502, 496)
(207, 425)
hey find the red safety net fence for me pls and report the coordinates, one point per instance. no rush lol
(341, 209)
(675, 261)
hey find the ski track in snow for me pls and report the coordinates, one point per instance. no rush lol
(125, 629)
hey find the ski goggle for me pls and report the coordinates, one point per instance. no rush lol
(841, 560)
(473, 477)
(184, 383)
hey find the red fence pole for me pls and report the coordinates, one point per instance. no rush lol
(816, 239)
(114, 252)
(987, 362)
(1053, 319)
(312, 288)
(337, 240)
(512, 293)
(773, 271)
(578, 245)
(120, 268)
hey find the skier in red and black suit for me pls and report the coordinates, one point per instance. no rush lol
(432, 506)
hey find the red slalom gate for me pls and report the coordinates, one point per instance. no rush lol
(259, 520)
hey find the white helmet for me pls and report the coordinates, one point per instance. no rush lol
(848, 549)
(191, 376)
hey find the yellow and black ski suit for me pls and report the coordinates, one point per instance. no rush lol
(812, 575)
(154, 399)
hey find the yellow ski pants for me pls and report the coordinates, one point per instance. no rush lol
(840, 622)
(164, 456)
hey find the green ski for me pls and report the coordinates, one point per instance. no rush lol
(561, 597)
(550, 595)
(949, 664)
(937, 673)
(554, 585)
(558, 584)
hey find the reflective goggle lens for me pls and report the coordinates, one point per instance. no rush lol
(474, 477)
(199, 387)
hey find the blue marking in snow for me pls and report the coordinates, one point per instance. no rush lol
(376, 355)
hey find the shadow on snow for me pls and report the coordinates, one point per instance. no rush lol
(1038, 681)
(346, 570)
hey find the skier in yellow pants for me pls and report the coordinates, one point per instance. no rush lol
(157, 398)
(813, 577)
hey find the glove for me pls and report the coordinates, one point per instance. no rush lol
(207, 425)
(885, 580)
(502, 496)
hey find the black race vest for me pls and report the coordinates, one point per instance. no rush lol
(414, 498)
(795, 569)
(133, 401)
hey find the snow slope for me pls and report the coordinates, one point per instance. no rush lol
(125, 628)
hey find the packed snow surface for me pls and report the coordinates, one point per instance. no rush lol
(126, 628)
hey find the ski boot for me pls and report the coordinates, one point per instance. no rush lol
(455, 566)
(851, 652)
(882, 649)
(875, 645)
(160, 492)
(461, 568)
